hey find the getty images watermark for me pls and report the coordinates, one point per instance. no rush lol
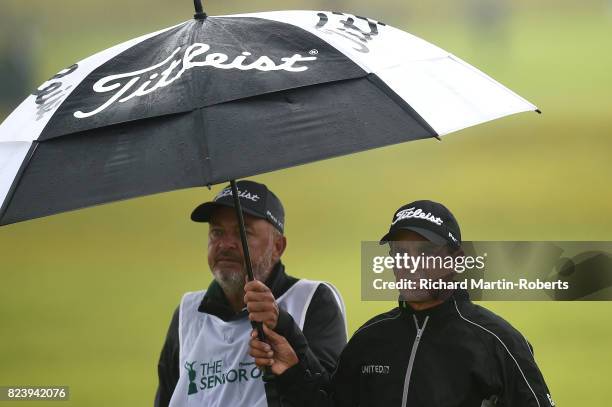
(490, 270)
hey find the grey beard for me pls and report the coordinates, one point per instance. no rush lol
(262, 270)
(233, 283)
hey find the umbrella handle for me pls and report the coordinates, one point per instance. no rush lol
(200, 14)
(267, 374)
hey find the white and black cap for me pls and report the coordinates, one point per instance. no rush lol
(432, 220)
(255, 199)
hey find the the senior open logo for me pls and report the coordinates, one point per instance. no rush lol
(206, 376)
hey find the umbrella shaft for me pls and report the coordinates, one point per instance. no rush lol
(243, 236)
(200, 14)
(268, 376)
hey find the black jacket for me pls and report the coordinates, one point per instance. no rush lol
(318, 346)
(455, 354)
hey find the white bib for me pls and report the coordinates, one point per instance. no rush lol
(215, 367)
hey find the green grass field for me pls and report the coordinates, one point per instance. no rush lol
(86, 297)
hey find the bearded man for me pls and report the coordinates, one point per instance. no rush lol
(205, 359)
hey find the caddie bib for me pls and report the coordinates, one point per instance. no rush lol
(215, 367)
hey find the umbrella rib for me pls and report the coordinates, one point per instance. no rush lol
(380, 84)
(17, 180)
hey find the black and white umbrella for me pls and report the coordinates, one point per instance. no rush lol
(220, 98)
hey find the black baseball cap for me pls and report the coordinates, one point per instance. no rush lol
(430, 219)
(255, 199)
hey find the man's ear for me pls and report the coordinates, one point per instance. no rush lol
(280, 244)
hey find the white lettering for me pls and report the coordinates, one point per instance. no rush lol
(371, 369)
(416, 214)
(244, 194)
(123, 83)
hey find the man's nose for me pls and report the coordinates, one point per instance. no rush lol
(411, 251)
(230, 241)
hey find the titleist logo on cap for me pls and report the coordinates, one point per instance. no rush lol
(417, 214)
(244, 194)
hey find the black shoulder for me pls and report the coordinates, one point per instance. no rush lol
(176, 314)
(324, 312)
(324, 295)
(377, 321)
(323, 300)
(172, 336)
(493, 328)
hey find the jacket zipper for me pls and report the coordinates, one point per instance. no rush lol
(415, 345)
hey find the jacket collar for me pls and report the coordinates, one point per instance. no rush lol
(215, 302)
(438, 313)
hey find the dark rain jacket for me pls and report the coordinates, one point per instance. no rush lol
(455, 354)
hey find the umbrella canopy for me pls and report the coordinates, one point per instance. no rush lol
(220, 98)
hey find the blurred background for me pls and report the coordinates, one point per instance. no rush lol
(86, 297)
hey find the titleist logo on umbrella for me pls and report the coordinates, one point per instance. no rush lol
(347, 28)
(418, 214)
(173, 67)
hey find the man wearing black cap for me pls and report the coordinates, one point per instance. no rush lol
(436, 349)
(205, 360)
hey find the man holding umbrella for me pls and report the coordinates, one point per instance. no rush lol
(204, 360)
(436, 349)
